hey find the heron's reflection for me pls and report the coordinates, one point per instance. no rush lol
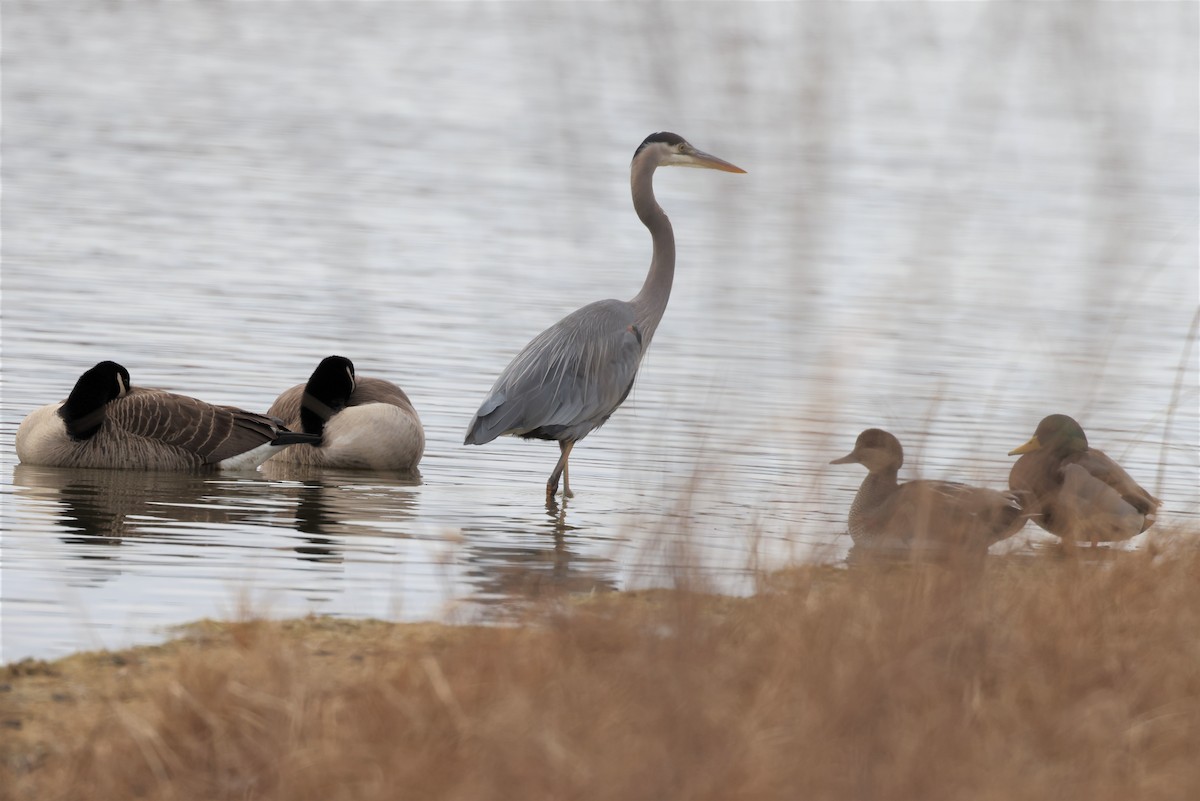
(557, 515)
(546, 564)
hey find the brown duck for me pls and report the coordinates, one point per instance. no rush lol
(930, 513)
(1079, 493)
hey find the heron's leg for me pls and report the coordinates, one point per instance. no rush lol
(566, 447)
(552, 485)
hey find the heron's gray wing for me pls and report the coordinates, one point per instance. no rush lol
(212, 433)
(568, 380)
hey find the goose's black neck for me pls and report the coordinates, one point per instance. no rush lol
(84, 411)
(327, 392)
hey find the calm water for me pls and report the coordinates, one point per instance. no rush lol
(957, 218)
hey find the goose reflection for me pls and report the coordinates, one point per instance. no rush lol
(99, 509)
(332, 505)
(106, 507)
(96, 510)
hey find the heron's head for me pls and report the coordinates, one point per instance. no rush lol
(875, 449)
(666, 149)
(1058, 433)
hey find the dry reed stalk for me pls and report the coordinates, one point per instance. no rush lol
(1028, 677)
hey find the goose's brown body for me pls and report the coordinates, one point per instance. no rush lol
(378, 429)
(148, 429)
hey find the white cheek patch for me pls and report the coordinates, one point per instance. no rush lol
(122, 387)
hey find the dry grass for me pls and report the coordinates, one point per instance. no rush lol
(1041, 677)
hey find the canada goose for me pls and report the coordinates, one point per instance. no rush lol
(933, 513)
(361, 423)
(106, 423)
(1078, 492)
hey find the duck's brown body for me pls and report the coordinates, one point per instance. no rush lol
(945, 513)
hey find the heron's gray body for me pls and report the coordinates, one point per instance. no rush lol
(568, 381)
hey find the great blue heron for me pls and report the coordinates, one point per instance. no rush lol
(574, 375)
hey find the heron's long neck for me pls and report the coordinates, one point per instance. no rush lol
(650, 303)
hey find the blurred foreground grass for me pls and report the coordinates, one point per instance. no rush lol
(1028, 677)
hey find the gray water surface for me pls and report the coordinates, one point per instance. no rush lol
(957, 218)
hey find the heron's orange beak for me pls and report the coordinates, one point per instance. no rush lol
(702, 159)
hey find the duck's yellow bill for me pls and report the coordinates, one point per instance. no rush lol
(1028, 447)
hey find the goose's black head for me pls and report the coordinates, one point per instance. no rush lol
(327, 392)
(83, 411)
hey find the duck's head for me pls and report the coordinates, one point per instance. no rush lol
(875, 449)
(1057, 433)
(83, 411)
(327, 392)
